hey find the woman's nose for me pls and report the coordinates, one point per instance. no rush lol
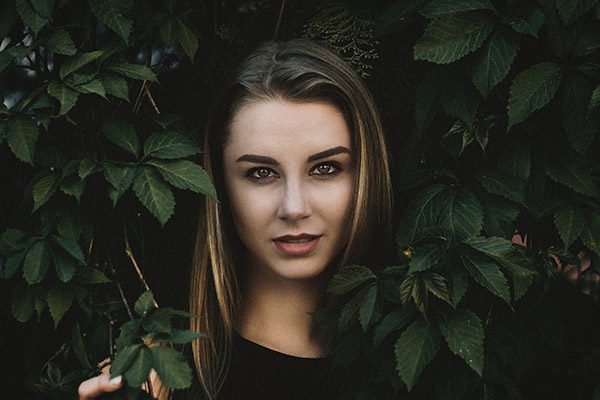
(294, 203)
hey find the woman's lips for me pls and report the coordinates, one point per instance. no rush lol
(297, 246)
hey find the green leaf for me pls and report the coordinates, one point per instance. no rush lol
(171, 367)
(69, 226)
(425, 257)
(440, 7)
(499, 218)
(167, 30)
(22, 137)
(569, 222)
(595, 97)
(591, 232)
(145, 303)
(121, 133)
(495, 61)
(10, 241)
(415, 348)
(114, 14)
(124, 359)
(394, 321)
(120, 177)
(450, 37)
(186, 38)
(494, 247)
(350, 277)
(134, 71)
(459, 283)
(487, 274)
(503, 185)
(527, 20)
(158, 321)
(13, 263)
(436, 285)
(91, 276)
(531, 90)
(71, 247)
(573, 171)
(445, 210)
(463, 107)
(65, 269)
(92, 87)
(79, 348)
(570, 10)
(66, 97)
(464, 334)
(139, 370)
(169, 145)
(42, 188)
(154, 194)
(515, 159)
(36, 263)
(79, 61)
(22, 303)
(581, 125)
(367, 307)
(397, 16)
(73, 186)
(30, 16)
(43, 7)
(6, 59)
(116, 86)
(60, 299)
(86, 168)
(184, 174)
(60, 42)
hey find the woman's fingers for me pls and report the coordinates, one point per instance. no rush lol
(98, 385)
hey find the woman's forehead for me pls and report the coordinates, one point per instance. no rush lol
(270, 125)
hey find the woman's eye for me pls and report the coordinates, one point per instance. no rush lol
(326, 169)
(260, 173)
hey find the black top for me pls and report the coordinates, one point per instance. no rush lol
(259, 373)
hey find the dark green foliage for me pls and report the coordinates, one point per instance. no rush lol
(492, 117)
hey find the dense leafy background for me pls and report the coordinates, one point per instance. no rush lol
(492, 110)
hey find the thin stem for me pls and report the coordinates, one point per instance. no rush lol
(135, 265)
(151, 99)
(136, 105)
(278, 25)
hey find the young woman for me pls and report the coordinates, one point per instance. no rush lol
(296, 151)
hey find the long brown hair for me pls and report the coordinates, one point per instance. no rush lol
(302, 71)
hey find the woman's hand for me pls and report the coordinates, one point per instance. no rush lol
(94, 387)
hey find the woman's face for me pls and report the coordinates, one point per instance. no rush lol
(289, 178)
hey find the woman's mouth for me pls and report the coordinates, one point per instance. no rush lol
(297, 245)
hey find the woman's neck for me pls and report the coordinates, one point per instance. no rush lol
(275, 314)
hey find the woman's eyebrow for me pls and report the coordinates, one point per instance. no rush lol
(257, 159)
(328, 153)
